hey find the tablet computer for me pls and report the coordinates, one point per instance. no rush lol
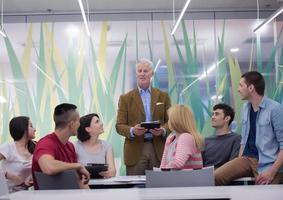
(94, 169)
(150, 125)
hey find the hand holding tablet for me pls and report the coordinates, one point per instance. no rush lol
(150, 125)
(94, 169)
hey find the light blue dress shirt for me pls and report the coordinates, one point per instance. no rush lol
(146, 100)
(269, 131)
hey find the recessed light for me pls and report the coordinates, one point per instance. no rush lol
(234, 50)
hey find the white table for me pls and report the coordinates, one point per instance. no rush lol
(253, 192)
(106, 194)
(266, 192)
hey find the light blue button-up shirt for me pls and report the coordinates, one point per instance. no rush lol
(146, 100)
(269, 131)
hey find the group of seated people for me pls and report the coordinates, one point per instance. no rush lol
(17, 156)
(260, 153)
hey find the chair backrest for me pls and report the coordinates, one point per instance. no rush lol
(181, 178)
(64, 180)
(3, 184)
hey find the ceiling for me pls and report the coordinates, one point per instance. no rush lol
(242, 37)
(72, 6)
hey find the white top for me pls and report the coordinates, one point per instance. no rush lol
(85, 157)
(15, 164)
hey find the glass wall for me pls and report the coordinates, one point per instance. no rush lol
(46, 63)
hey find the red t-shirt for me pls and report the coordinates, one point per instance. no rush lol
(51, 145)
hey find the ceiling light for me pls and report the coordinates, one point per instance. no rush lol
(202, 76)
(180, 16)
(48, 77)
(2, 29)
(234, 50)
(3, 99)
(269, 19)
(2, 33)
(84, 17)
(157, 65)
(217, 97)
(72, 31)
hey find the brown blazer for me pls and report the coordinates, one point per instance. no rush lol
(131, 112)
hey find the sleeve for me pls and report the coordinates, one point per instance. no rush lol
(73, 151)
(203, 152)
(122, 126)
(108, 146)
(5, 150)
(44, 147)
(276, 118)
(185, 148)
(235, 147)
(243, 128)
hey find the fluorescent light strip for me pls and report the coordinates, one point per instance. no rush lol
(2, 33)
(269, 19)
(157, 65)
(202, 76)
(84, 17)
(181, 16)
(48, 77)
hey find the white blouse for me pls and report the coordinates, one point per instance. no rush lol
(16, 164)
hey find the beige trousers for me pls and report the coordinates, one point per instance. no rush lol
(238, 168)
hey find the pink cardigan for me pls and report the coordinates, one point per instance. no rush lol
(185, 155)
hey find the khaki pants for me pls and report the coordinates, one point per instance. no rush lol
(238, 168)
(147, 161)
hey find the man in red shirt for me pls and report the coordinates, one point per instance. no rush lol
(54, 153)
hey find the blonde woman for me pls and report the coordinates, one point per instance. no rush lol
(183, 147)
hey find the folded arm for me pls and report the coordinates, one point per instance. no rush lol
(50, 166)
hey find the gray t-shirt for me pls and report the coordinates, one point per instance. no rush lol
(85, 157)
(220, 149)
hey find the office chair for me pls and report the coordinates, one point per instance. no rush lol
(180, 178)
(64, 180)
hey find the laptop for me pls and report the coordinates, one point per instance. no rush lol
(180, 178)
(64, 180)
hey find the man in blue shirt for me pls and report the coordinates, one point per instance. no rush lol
(261, 152)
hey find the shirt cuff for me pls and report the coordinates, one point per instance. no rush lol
(132, 135)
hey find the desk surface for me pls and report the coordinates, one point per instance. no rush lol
(119, 180)
(265, 192)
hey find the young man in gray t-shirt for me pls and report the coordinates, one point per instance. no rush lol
(224, 145)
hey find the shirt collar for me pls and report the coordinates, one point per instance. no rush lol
(141, 90)
(263, 102)
(261, 105)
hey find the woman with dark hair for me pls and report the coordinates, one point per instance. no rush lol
(16, 156)
(90, 149)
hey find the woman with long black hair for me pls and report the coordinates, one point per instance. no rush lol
(16, 156)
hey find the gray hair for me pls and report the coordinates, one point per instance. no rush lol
(145, 61)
